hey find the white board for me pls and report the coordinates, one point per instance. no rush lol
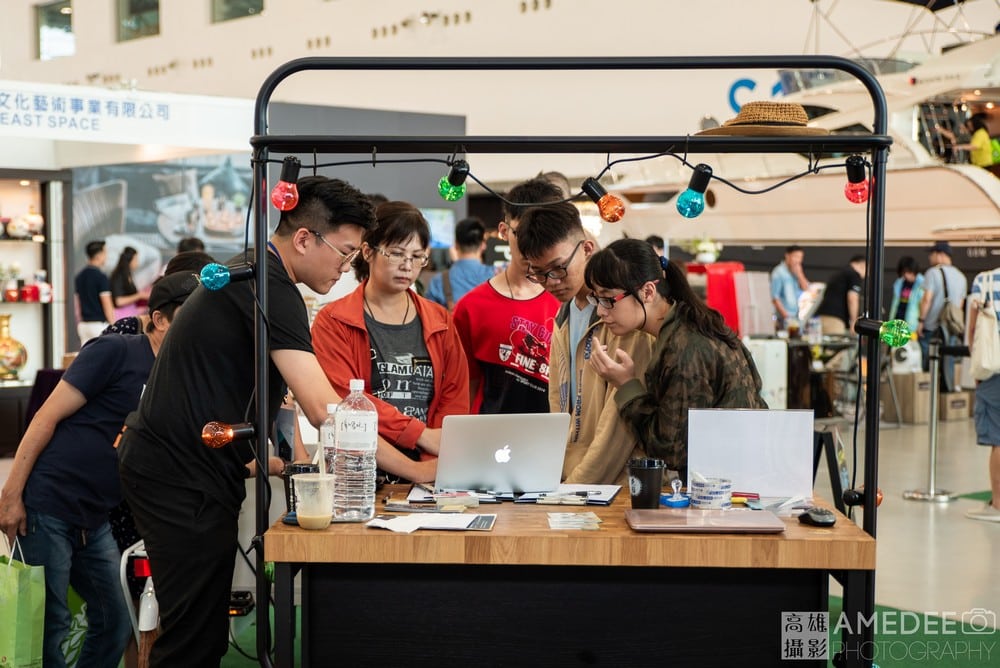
(769, 452)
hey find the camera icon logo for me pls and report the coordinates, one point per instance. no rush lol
(980, 620)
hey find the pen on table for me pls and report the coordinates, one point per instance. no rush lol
(583, 493)
(746, 495)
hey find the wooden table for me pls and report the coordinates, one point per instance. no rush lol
(523, 594)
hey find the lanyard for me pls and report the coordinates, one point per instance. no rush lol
(274, 250)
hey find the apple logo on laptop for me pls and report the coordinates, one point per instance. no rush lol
(502, 455)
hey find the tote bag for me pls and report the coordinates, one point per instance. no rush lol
(985, 360)
(22, 609)
(952, 318)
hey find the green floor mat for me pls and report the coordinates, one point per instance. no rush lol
(905, 639)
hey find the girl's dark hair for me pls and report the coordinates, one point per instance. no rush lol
(395, 223)
(628, 264)
(907, 263)
(123, 268)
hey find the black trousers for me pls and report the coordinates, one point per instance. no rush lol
(191, 542)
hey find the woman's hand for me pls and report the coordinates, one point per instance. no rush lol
(430, 441)
(615, 372)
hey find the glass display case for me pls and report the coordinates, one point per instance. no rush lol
(27, 297)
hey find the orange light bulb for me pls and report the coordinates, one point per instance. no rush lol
(611, 207)
(218, 434)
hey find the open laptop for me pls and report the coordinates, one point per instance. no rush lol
(694, 520)
(520, 452)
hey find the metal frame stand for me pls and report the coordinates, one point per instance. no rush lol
(932, 493)
(860, 595)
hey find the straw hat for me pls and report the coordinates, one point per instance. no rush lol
(778, 119)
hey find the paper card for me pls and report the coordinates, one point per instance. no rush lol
(769, 452)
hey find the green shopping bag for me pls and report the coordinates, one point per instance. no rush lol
(22, 609)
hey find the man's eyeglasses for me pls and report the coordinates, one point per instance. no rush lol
(606, 302)
(396, 257)
(555, 273)
(345, 258)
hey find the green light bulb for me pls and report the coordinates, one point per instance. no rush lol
(894, 333)
(449, 192)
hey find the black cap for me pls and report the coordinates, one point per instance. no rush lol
(171, 289)
(940, 247)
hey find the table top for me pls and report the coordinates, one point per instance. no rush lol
(521, 536)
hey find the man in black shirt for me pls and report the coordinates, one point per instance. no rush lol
(841, 302)
(95, 308)
(185, 496)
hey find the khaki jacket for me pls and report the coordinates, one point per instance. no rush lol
(599, 444)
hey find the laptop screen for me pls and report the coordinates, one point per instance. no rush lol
(520, 452)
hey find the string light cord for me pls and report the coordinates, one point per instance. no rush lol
(374, 161)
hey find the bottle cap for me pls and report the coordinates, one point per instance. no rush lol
(357, 385)
(331, 408)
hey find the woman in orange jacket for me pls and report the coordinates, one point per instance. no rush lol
(402, 345)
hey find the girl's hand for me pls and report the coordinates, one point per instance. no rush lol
(616, 371)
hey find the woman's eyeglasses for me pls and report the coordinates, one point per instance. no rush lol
(396, 257)
(555, 273)
(606, 302)
(609, 302)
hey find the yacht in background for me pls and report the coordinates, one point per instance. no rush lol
(931, 192)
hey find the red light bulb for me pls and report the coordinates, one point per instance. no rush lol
(611, 207)
(856, 192)
(856, 189)
(285, 195)
(218, 434)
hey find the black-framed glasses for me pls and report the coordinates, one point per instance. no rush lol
(606, 302)
(398, 257)
(345, 258)
(555, 273)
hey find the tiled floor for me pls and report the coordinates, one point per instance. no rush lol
(931, 558)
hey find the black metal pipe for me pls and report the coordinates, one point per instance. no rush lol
(261, 369)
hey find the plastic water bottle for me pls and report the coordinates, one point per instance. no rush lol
(354, 461)
(328, 437)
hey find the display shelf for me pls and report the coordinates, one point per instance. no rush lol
(23, 192)
(36, 239)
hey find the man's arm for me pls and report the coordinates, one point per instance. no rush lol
(393, 461)
(779, 307)
(800, 275)
(925, 304)
(63, 402)
(853, 308)
(309, 385)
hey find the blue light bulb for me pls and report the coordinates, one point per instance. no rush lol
(215, 276)
(691, 202)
